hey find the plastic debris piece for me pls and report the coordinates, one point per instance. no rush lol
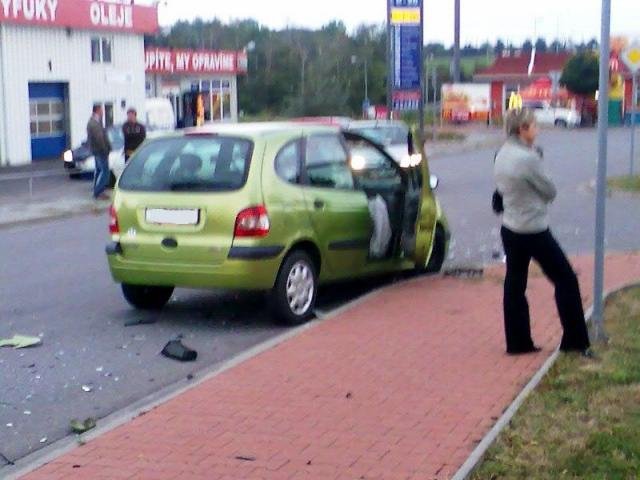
(10, 425)
(87, 388)
(176, 350)
(245, 459)
(20, 341)
(43, 440)
(27, 412)
(81, 427)
(139, 321)
(99, 369)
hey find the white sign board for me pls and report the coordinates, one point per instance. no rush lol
(631, 57)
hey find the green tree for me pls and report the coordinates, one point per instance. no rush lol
(580, 74)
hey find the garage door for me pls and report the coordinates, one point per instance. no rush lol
(47, 112)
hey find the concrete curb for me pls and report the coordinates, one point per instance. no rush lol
(46, 455)
(479, 452)
(62, 214)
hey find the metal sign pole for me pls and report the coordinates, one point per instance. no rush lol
(389, 62)
(422, 76)
(634, 110)
(603, 125)
(434, 82)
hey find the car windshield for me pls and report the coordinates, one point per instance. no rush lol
(190, 163)
(116, 137)
(384, 135)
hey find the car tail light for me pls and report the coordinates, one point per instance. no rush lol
(252, 222)
(114, 228)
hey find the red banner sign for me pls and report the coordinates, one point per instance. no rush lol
(81, 14)
(176, 62)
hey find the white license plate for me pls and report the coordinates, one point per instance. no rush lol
(165, 216)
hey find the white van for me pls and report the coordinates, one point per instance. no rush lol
(158, 115)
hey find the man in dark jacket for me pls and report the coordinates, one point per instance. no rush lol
(100, 148)
(134, 133)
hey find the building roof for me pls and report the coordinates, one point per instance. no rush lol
(517, 65)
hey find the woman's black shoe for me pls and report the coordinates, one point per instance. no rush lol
(533, 349)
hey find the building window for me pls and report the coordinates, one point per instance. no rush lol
(101, 50)
(107, 112)
(46, 117)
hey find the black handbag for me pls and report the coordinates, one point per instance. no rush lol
(496, 203)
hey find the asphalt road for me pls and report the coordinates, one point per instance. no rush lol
(467, 184)
(55, 283)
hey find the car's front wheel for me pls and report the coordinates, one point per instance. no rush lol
(295, 290)
(146, 297)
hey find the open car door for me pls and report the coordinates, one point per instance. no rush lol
(421, 208)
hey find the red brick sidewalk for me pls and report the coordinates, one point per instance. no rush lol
(402, 386)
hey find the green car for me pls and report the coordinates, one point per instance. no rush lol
(275, 207)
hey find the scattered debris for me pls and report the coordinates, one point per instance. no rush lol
(99, 369)
(27, 412)
(176, 350)
(245, 459)
(190, 376)
(140, 338)
(81, 427)
(466, 272)
(139, 321)
(309, 462)
(76, 466)
(20, 341)
(349, 395)
(87, 388)
(43, 440)
(10, 425)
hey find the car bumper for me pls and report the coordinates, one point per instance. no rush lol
(245, 268)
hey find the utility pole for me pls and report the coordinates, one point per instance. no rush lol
(456, 43)
(599, 334)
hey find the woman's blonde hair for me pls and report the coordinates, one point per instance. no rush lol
(518, 119)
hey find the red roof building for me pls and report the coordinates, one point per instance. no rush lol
(514, 72)
(523, 71)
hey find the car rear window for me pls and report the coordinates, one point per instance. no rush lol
(183, 164)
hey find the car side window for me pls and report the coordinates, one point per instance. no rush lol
(326, 163)
(287, 162)
(372, 168)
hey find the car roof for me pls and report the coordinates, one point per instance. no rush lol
(258, 129)
(376, 123)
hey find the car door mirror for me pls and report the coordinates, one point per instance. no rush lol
(434, 182)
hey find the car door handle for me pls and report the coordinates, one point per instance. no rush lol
(318, 204)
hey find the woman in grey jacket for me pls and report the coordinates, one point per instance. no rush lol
(526, 192)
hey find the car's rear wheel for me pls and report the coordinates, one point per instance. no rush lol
(438, 252)
(562, 123)
(146, 297)
(295, 290)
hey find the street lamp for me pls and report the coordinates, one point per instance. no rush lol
(366, 102)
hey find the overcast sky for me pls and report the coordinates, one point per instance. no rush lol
(481, 19)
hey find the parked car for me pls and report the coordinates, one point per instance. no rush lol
(547, 114)
(394, 136)
(278, 207)
(80, 160)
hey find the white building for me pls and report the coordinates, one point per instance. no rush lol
(58, 59)
(191, 77)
